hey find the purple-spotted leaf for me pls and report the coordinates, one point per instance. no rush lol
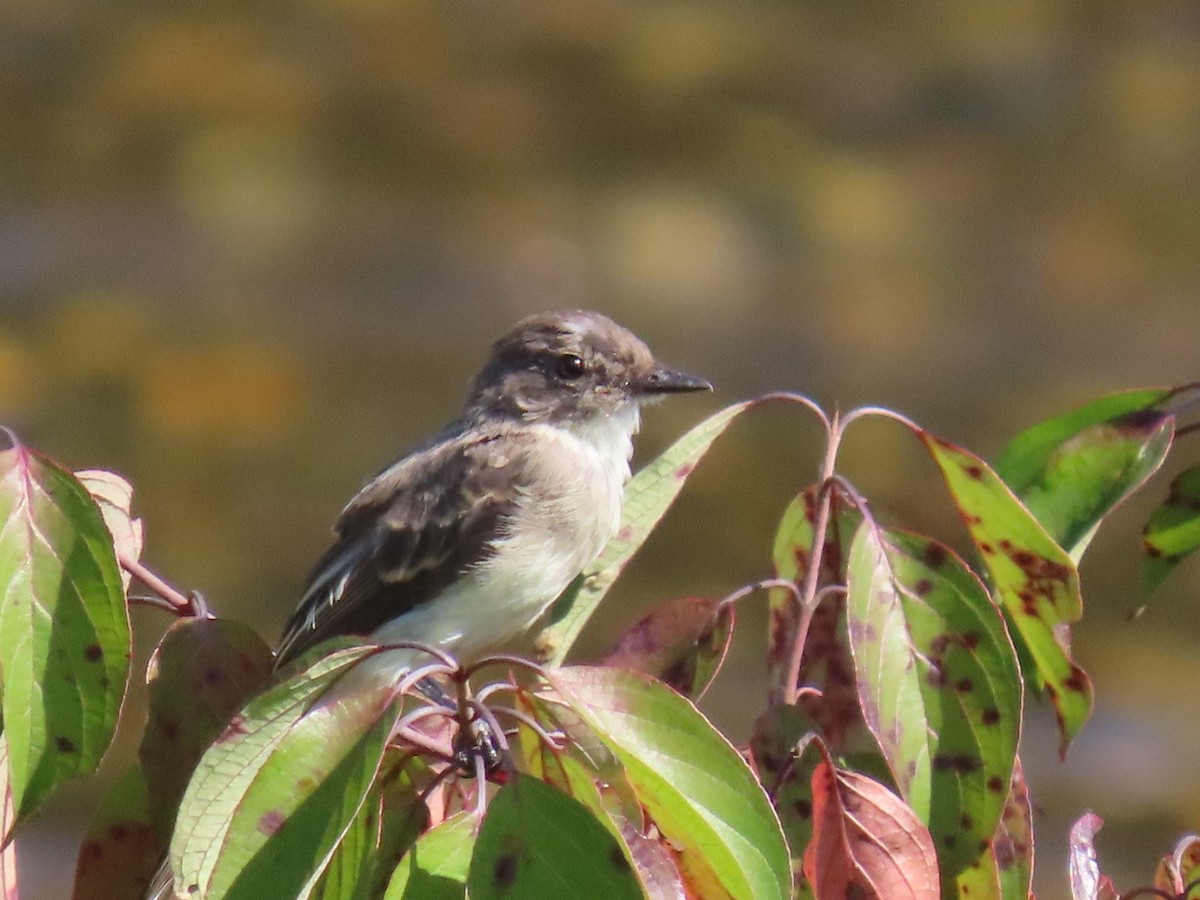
(867, 843)
(648, 496)
(436, 866)
(114, 495)
(1004, 868)
(938, 681)
(64, 630)
(826, 663)
(1173, 531)
(120, 851)
(1072, 471)
(536, 841)
(201, 673)
(272, 797)
(682, 642)
(1034, 578)
(694, 785)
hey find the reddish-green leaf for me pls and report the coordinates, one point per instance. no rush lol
(1004, 868)
(682, 642)
(201, 673)
(120, 850)
(536, 841)
(1173, 531)
(867, 843)
(8, 848)
(1034, 578)
(939, 684)
(64, 632)
(1179, 872)
(695, 786)
(648, 496)
(436, 866)
(270, 800)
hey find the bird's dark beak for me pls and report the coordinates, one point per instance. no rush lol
(669, 381)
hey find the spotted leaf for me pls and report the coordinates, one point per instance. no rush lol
(120, 850)
(1034, 579)
(64, 631)
(1173, 531)
(939, 684)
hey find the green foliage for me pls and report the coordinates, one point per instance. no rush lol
(883, 762)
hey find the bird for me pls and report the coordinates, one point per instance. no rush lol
(462, 544)
(465, 542)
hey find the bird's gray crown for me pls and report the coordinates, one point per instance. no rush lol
(570, 365)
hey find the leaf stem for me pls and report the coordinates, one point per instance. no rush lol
(809, 596)
(173, 600)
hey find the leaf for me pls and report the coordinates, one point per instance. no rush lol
(695, 786)
(1086, 881)
(1028, 455)
(939, 684)
(1173, 531)
(1179, 872)
(436, 867)
(1089, 473)
(536, 841)
(774, 743)
(648, 496)
(201, 673)
(114, 495)
(1004, 869)
(272, 797)
(8, 848)
(682, 642)
(1035, 580)
(120, 851)
(866, 843)
(64, 631)
(826, 664)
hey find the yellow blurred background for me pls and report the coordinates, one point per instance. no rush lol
(250, 252)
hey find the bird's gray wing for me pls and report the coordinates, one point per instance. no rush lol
(408, 534)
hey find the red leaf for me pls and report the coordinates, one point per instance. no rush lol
(1086, 881)
(866, 842)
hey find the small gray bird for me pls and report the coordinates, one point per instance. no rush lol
(465, 542)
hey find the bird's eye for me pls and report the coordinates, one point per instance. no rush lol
(569, 366)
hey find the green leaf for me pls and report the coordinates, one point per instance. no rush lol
(201, 673)
(436, 866)
(1029, 453)
(120, 851)
(270, 800)
(939, 683)
(8, 848)
(648, 496)
(64, 631)
(536, 841)
(387, 825)
(1173, 531)
(695, 786)
(1070, 486)
(774, 743)
(1034, 578)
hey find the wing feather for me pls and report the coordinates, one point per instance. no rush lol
(415, 528)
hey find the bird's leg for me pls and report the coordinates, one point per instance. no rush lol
(476, 738)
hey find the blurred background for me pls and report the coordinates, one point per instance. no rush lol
(251, 252)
